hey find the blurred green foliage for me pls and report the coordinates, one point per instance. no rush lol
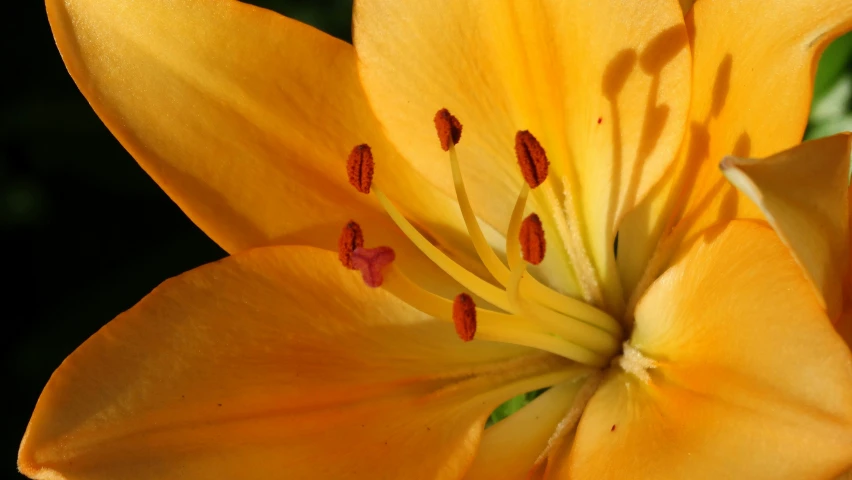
(86, 233)
(831, 109)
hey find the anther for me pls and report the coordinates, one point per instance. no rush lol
(531, 158)
(464, 316)
(351, 238)
(371, 262)
(360, 168)
(449, 128)
(532, 241)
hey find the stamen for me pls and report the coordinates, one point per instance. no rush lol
(513, 245)
(478, 286)
(490, 259)
(371, 262)
(361, 160)
(531, 158)
(449, 128)
(464, 316)
(491, 326)
(351, 238)
(360, 168)
(532, 287)
(532, 239)
(593, 339)
(534, 325)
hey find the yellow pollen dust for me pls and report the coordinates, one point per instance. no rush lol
(518, 309)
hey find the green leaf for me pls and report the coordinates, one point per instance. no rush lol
(830, 127)
(834, 103)
(512, 405)
(834, 61)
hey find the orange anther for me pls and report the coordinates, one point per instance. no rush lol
(533, 245)
(464, 316)
(351, 238)
(449, 128)
(531, 158)
(360, 168)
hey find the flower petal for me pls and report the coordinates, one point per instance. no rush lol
(844, 322)
(802, 193)
(276, 360)
(603, 85)
(640, 231)
(751, 380)
(844, 327)
(754, 65)
(510, 448)
(244, 117)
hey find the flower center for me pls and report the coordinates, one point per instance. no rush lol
(521, 310)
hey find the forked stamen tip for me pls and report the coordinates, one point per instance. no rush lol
(464, 316)
(360, 167)
(448, 127)
(372, 262)
(531, 158)
(532, 241)
(351, 238)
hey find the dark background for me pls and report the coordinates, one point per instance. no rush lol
(85, 233)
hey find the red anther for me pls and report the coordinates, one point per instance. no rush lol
(464, 316)
(531, 158)
(371, 262)
(449, 128)
(533, 245)
(351, 238)
(360, 168)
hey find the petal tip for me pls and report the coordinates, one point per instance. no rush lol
(29, 467)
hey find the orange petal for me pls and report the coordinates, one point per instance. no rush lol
(276, 360)
(640, 231)
(754, 64)
(803, 193)
(603, 86)
(510, 448)
(751, 381)
(844, 322)
(844, 327)
(244, 117)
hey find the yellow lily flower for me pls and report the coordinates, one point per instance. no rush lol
(703, 349)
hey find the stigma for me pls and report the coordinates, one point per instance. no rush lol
(516, 307)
